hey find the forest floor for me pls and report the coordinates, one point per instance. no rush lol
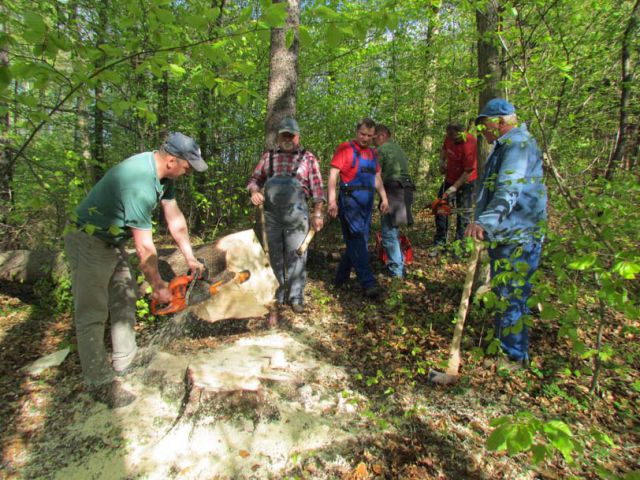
(341, 392)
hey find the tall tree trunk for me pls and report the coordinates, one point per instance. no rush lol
(283, 73)
(97, 150)
(490, 74)
(489, 71)
(81, 140)
(627, 78)
(6, 164)
(7, 159)
(428, 105)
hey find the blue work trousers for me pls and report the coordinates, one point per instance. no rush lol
(511, 268)
(391, 244)
(356, 257)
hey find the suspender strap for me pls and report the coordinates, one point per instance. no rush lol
(270, 174)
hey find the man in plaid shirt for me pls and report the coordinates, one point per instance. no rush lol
(290, 176)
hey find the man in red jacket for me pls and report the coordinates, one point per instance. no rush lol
(459, 163)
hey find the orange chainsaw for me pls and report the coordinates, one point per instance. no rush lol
(193, 288)
(440, 206)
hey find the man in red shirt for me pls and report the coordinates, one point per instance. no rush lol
(355, 163)
(459, 162)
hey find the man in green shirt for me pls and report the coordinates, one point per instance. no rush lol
(399, 188)
(119, 207)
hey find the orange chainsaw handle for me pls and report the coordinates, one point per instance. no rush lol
(178, 287)
(440, 206)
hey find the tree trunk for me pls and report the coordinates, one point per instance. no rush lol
(283, 73)
(97, 150)
(428, 105)
(627, 78)
(6, 162)
(490, 73)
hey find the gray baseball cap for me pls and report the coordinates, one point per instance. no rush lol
(186, 148)
(289, 125)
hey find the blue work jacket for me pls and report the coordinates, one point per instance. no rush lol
(511, 205)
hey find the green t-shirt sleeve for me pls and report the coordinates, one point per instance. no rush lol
(138, 207)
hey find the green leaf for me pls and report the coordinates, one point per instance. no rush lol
(115, 230)
(303, 36)
(539, 453)
(391, 21)
(111, 76)
(583, 262)
(327, 13)
(334, 36)
(5, 77)
(165, 16)
(289, 38)
(177, 70)
(520, 440)
(498, 439)
(36, 28)
(196, 20)
(557, 427)
(246, 68)
(627, 270)
(548, 312)
(120, 106)
(275, 15)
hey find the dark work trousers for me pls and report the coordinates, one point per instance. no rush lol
(287, 217)
(463, 199)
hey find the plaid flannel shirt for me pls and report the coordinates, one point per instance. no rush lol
(308, 173)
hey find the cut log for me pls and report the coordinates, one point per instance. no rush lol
(27, 266)
(235, 252)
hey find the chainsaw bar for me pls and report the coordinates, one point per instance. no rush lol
(202, 290)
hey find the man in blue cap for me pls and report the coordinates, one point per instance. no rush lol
(117, 208)
(511, 211)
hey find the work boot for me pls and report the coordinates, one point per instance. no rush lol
(372, 292)
(112, 394)
(143, 357)
(297, 308)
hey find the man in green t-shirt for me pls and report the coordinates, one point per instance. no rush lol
(119, 207)
(399, 188)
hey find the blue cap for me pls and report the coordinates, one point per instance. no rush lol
(496, 107)
(184, 147)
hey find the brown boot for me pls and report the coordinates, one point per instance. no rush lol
(112, 394)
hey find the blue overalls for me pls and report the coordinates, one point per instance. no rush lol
(355, 206)
(287, 221)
